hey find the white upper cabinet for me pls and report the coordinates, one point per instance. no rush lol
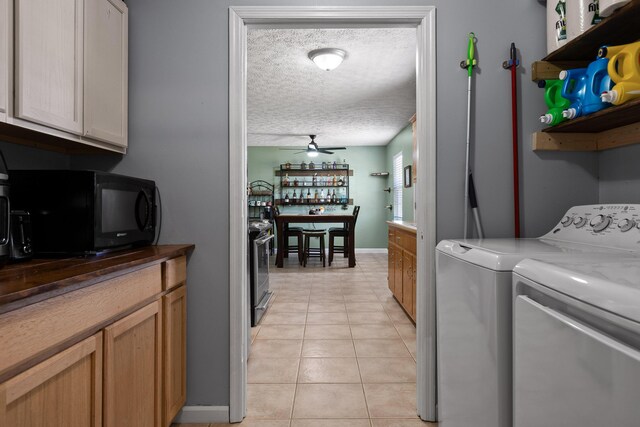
(49, 63)
(4, 58)
(105, 71)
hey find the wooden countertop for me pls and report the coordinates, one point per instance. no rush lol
(39, 279)
(408, 226)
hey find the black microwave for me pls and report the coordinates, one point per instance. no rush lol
(81, 212)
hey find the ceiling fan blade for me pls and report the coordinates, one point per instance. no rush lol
(297, 148)
(334, 148)
(323, 151)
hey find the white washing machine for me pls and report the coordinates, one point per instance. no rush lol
(577, 343)
(474, 307)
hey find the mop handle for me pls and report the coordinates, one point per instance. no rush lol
(470, 54)
(469, 63)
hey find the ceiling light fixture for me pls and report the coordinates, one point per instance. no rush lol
(328, 58)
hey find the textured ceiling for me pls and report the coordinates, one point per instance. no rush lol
(365, 101)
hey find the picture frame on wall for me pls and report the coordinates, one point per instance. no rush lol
(407, 176)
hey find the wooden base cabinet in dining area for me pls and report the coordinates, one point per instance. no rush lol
(129, 371)
(402, 265)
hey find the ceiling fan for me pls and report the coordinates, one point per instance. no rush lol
(313, 149)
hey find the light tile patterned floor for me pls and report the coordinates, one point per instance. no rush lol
(334, 350)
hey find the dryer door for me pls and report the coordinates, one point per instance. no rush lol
(569, 374)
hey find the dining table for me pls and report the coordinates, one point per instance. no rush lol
(283, 221)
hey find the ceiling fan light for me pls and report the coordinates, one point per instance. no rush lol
(312, 153)
(328, 58)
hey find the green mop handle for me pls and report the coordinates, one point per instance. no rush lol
(471, 61)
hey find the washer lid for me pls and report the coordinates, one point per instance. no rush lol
(612, 285)
(504, 254)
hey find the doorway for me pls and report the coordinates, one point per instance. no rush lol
(421, 18)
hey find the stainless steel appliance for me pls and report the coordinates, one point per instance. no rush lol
(85, 212)
(21, 247)
(259, 237)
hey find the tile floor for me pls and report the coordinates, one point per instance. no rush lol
(334, 350)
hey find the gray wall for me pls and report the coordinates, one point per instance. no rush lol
(620, 175)
(179, 137)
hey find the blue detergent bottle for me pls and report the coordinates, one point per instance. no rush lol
(583, 87)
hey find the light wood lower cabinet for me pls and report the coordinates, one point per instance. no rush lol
(132, 369)
(130, 374)
(402, 268)
(175, 352)
(63, 391)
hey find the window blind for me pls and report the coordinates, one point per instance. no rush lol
(397, 186)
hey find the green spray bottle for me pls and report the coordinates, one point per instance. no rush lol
(554, 100)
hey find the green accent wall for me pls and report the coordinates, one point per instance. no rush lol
(403, 141)
(365, 190)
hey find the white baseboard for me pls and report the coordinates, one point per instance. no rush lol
(203, 414)
(371, 250)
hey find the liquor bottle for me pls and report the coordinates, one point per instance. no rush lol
(295, 195)
(322, 196)
(335, 180)
(308, 194)
(335, 165)
(315, 196)
(286, 180)
(333, 196)
(301, 200)
(340, 181)
(314, 180)
(286, 199)
(295, 181)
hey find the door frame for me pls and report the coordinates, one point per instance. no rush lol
(423, 18)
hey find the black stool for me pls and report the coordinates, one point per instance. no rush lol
(344, 233)
(313, 252)
(296, 248)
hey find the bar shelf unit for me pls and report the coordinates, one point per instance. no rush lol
(303, 176)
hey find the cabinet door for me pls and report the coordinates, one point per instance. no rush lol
(391, 268)
(132, 363)
(397, 272)
(4, 58)
(408, 289)
(105, 71)
(174, 316)
(63, 391)
(48, 54)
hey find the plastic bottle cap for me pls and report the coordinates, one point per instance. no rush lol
(547, 118)
(569, 113)
(563, 75)
(611, 96)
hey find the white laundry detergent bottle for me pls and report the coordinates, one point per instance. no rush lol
(581, 15)
(556, 24)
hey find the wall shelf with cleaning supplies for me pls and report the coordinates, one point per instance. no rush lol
(615, 126)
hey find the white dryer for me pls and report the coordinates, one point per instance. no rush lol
(577, 343)
(474, 294)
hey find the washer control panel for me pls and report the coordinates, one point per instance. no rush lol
(616, 226)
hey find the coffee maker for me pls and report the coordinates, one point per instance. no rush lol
(5, 211)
